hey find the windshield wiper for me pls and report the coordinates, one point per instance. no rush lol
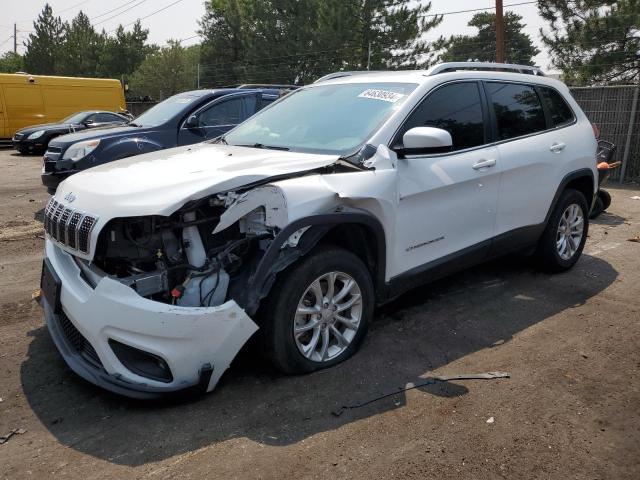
(268, 147)
(220, 139)
(133, 124)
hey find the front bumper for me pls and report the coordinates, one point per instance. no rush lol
(24, 145)
(198, 344)
(51, 180)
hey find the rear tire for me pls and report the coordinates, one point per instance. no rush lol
(306, 326)
(562, 242)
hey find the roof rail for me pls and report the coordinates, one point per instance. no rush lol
(268, 85)
(333, 75)
(512, 67)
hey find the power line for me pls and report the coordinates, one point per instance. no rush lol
(113, 9)
(151, 14)
(72, 6)
(118, 14)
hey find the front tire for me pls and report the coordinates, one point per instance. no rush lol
(564, 237)
(318, 312)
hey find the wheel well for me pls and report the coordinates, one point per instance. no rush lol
(361, 241)
(584, 184)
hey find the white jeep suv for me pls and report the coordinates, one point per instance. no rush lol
(298, 222)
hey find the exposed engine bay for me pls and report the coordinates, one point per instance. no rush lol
(198, 256)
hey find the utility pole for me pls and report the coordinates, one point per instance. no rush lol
(369, 57)
(198, 76)
(499, 32)
(15, 38)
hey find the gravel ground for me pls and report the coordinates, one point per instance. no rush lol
(571, 408)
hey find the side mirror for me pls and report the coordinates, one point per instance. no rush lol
(89, 123)
(192, 122)
(422, 140)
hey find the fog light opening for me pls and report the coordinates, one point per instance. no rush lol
(142, 363)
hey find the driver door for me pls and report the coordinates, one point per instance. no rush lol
(447, 201)
(217, 118)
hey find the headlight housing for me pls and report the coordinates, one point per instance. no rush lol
(80, 150)
(35, 135)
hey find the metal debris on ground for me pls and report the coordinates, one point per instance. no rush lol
(635, 239)
(427, 381)
(15, 431)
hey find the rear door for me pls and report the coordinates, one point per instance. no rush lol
(217, 118)
(531, 151)
(447, 201)
(4, 132)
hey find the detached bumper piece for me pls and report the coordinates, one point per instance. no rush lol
(130, 345)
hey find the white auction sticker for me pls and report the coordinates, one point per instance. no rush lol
(384, 95)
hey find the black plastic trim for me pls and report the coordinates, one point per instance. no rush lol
(275, 259)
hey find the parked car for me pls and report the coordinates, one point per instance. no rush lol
(26, 100)
(183, 119)
(299, 221)
(36, 138)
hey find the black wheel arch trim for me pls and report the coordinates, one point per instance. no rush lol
(276, 259)
(576, 174)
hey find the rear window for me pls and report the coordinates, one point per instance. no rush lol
(517, 108)
(561, 113)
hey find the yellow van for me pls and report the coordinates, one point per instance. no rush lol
(33, 99)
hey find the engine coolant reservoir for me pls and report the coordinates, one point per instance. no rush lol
(208, 291)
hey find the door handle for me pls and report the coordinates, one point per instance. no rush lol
(557, 147)
(484, 164)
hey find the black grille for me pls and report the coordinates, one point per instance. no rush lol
(68, 227)
(78, 342)
(49, 166)
(53, 149)
(18, 136)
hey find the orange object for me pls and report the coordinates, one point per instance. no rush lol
(603, 166)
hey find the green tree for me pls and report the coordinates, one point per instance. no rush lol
(171, 70)
(593, 41)
(11, 63)
(123, 53)
(81, 49)
(44, 45)
(482, 47)
(298, 40)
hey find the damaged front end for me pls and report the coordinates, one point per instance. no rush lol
(200, 256)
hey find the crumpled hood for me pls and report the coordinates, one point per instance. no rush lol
(158, 183)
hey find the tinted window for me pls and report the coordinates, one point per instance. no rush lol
(518, 109)
(455, 108)
(107, 117)
(560, 112)
(228, 112)
(166, 110)
(75, 118)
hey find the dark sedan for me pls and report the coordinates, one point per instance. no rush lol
(35, 139)
(183, 119)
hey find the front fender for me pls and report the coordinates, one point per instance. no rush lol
(277, 258)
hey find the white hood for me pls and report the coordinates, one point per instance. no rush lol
(159, 183)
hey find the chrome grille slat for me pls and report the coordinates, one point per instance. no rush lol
(68, 227)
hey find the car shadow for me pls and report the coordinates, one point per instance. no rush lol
(610, 219)
(421, 331)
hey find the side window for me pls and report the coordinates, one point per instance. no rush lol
(455, 108)
(90, 118)
(228, 112)
(250, 106)
(107, 117)
(518, 109)
(560, 112)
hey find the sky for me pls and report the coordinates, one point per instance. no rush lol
(179, 19)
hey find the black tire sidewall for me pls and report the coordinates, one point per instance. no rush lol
(283, 301)
(548, 251)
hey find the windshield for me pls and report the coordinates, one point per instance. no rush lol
(75, 118)
(165, 110)
(334, 119)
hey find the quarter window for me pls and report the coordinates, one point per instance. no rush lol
(455, 108)
(518, 109)
(560, 112)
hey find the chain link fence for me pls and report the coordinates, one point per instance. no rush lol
(614, 110)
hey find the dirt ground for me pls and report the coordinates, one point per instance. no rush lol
(571, 408)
